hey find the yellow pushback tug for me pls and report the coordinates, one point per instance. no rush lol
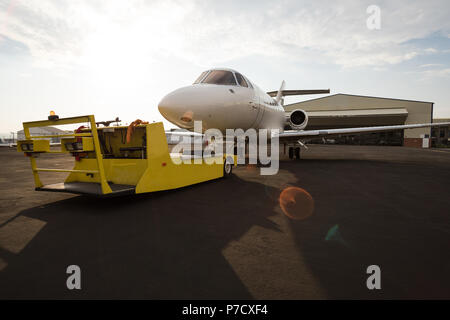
(105, 164)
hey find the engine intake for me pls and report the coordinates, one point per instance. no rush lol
(297, 119)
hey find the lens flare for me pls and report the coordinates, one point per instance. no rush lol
(296, 203)
(334, 235)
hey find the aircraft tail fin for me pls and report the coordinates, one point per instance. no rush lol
(280, 92)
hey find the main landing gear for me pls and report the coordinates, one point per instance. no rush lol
(294, 152)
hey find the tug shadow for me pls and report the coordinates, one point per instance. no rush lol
(165, 245)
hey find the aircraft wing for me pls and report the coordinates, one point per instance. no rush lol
(175, 137)
(312, 134)
(298, 92)
(184, 133)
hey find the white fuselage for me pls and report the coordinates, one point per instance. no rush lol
(222, 106)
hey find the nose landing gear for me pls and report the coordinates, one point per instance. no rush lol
(228, 167)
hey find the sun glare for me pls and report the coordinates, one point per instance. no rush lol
(126, 45)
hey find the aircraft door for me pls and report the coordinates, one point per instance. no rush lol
(250, 102)
(258, 110)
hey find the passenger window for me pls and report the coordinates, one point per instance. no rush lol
(220, 77)
(241, 80)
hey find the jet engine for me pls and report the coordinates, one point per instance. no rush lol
(297, 119)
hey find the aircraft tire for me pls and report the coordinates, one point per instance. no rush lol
(291, 153)
(227, 168)
(297, 153)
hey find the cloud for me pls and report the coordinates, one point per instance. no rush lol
(431, 65)
(431, 72)
(45, 28)
(441, 73)
(208, 33)
(431, 50)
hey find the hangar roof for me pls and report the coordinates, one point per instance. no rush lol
(40, 130)
(355, 117)
(441, 120)
(361, 96)
(358, 113)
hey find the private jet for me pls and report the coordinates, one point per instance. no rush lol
(223, 99)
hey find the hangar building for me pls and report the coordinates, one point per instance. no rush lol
(440, 136)
(346, 110)
(42, 131)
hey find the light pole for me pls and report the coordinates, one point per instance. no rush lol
(13, 136)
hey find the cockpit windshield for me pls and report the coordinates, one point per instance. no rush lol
(199, 79)
(220, 77)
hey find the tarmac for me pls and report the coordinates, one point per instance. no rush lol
(230, 239)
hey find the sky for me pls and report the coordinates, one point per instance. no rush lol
(119, 58)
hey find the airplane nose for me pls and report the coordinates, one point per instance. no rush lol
(171, 106)
(176, 106)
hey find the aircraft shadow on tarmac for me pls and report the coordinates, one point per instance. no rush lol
(158, 246)
(373, 212)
